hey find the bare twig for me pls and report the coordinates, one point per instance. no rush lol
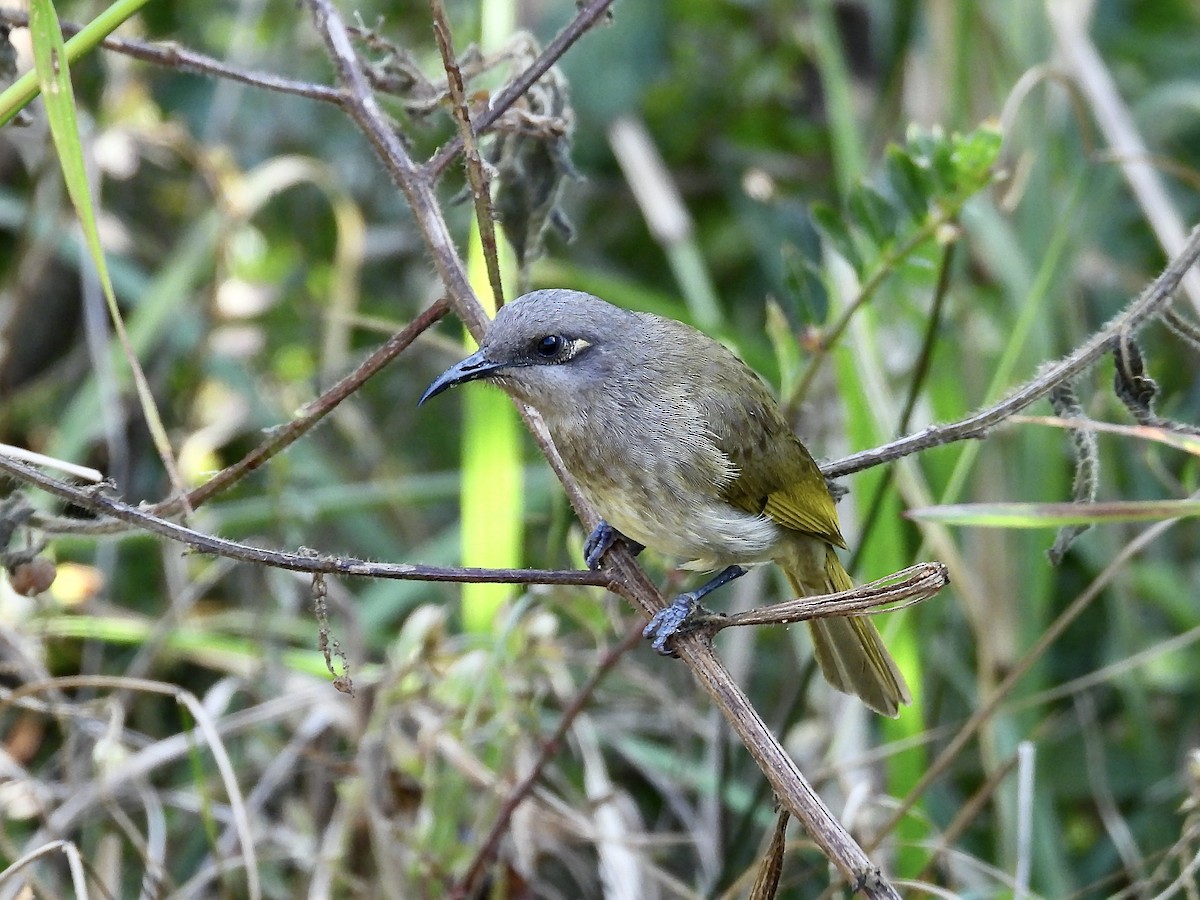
(587, 16)
(175, 56)
(908, 586)
(279, 439)
(95, 500)
(477, 176)
(364, 110)
(320, 407)
(1150, 303)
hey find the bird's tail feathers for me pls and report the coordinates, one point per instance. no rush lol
(849, 649)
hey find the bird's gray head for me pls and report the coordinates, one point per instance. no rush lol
(547, 347)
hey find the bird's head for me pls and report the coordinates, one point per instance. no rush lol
(546, 348)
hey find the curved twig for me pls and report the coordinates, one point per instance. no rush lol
(1152, 302)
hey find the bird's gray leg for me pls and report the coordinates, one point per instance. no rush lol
(600, 541)
(675, 618)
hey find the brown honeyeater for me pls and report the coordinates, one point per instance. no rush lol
(681, 448)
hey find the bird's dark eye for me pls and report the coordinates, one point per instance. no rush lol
(550, 346)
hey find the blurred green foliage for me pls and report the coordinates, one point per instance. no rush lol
(258, 251)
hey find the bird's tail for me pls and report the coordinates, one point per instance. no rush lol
(849, 649)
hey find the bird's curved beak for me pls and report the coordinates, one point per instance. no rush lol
(474, 366)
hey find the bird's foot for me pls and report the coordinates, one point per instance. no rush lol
(601, 540)
(684, 615)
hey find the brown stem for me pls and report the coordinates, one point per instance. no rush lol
(908, 586)
(315, 411)
(279, 439)
(588, 15)
(476, 174)
(94, 499)
(176, 56)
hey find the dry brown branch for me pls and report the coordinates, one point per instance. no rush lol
(908, 586)
(176, 56)
(477, 175)
(279, 439)
(94, 499)
(589, 14)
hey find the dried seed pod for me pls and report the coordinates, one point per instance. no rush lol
(32, 577)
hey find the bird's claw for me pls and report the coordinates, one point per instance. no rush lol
(601, 540)
(678, 618)
(598, 543)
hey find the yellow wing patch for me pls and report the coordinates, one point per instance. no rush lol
(806, 506)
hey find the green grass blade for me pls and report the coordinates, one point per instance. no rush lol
(1189, 443)
(19, 94)
(492, 487)
(1055, 515)
(54, 76)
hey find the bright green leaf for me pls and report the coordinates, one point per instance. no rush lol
(872, 212)
(909, 182)
(832, 226)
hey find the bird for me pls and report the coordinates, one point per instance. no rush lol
(680, 447)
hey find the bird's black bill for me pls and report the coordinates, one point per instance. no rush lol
(474, 366)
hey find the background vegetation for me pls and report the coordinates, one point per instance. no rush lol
(259, 251)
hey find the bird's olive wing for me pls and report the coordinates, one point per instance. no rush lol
(776, 474)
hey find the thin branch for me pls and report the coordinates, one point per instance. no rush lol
(95, 500)
(364, 110)
(467, 885)
(315, 411)
(587, 16)
(920, 372)
(1152, 302)
(279, 439)
(481, 192)
(908, 586)
(174, 56)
